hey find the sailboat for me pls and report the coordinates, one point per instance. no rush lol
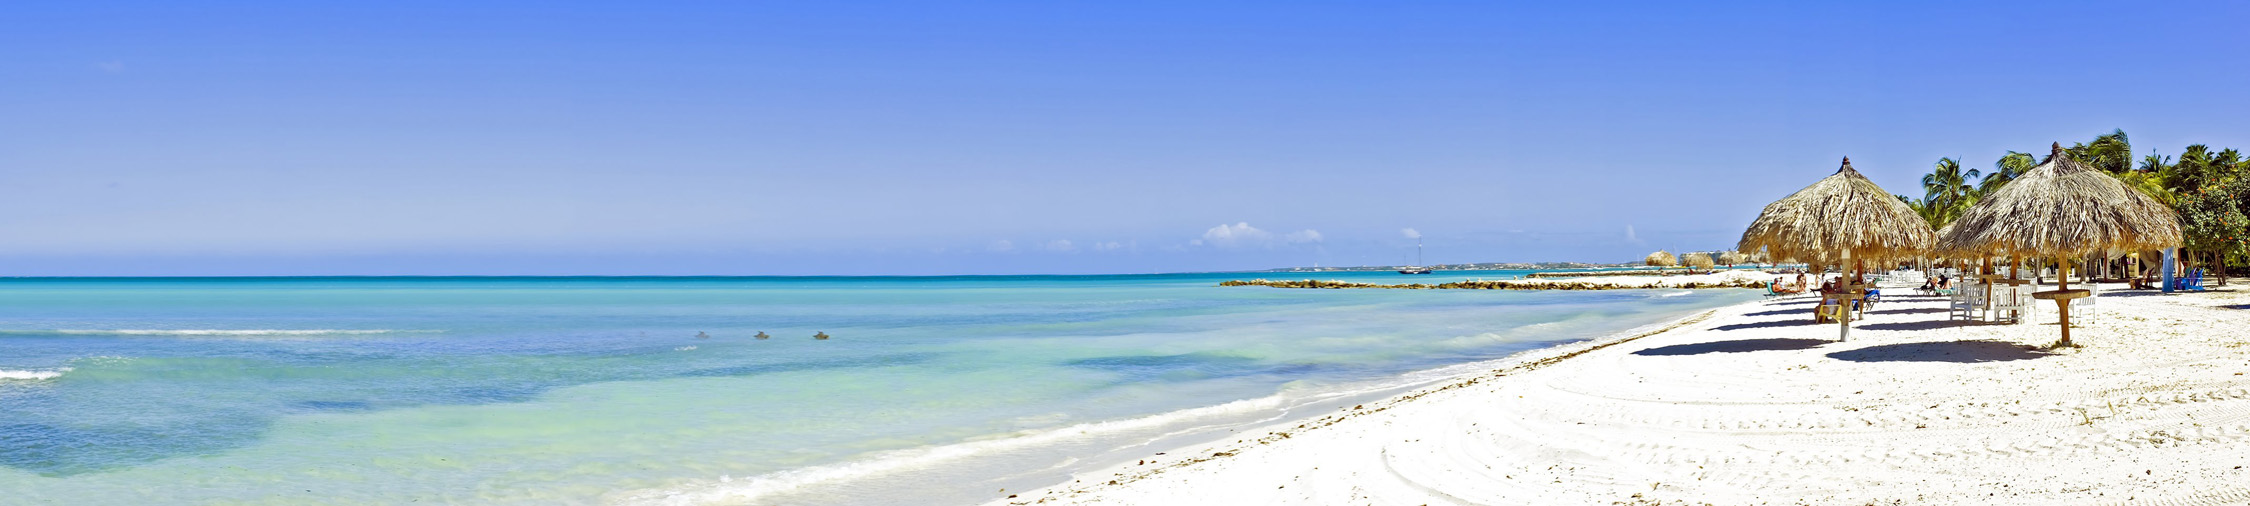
(1417, 268)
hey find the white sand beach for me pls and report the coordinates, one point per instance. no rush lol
(1753, 404)
(1732, 277)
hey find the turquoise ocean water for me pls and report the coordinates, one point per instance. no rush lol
(598, 391)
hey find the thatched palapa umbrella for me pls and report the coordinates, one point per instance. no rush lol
(1733, 257)
(1661, 259)
(1840, 219)
(2063, 209)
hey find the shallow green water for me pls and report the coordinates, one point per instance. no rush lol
(598, 390)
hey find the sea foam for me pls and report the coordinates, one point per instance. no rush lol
(12, 374)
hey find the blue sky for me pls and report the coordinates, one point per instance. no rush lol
(1034, 137)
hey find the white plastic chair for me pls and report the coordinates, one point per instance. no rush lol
(2010, 303)
(2084, 306)
(1967, 300)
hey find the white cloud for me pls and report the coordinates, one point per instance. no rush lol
(1242, 235)
(1410, 233)
(1110, 246)
(1631, 237)
(1060, 245)
(1238, 233)
(1002, 245)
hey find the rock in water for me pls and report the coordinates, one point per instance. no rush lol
(823, 336)
(762, 334)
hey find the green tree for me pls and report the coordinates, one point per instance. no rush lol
(2111, 152)
(2156, 164)
(2007, 168)
(2150, 179)
(2215, 222)
(2193, 170)
(1923, 209)
(1947, 191)
(2149, 184)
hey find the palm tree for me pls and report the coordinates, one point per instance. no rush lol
(2111, 153)
(2151, 184)
(2193, 169)
(2009, 167)
(1946, 189)
(2155, 163)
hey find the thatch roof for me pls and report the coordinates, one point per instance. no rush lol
(1662, 258)
(1842, 212)
(1732, 257)
(1698, 260)
(2063, 208)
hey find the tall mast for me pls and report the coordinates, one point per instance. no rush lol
(1417, 252)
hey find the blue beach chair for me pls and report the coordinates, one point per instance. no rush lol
(1873, 296)
(2193, 282)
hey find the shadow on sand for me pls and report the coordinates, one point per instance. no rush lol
(1923, 310)
(1965, 352)
(2136, 293)
(1916, 325)
(1794, 322)
(1803, 311)
(1735, 346)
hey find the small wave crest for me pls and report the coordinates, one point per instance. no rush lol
(749, 490)
(12, 374)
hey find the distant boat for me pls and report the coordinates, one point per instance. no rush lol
(1417, 268)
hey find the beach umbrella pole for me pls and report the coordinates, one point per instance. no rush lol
(2062, 305)
(1844, 312)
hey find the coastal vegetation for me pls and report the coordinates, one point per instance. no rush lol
(2209, 188)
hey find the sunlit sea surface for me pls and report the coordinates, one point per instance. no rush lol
(599, 390)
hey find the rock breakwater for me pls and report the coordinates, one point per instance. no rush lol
(1615, 283)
